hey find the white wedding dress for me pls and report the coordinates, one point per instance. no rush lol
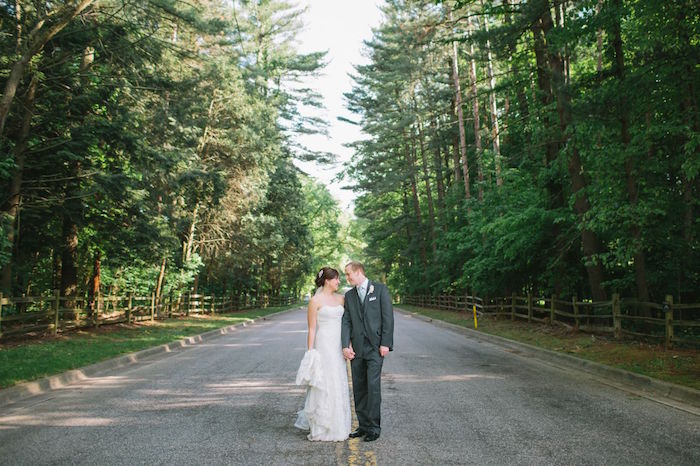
(326, 412)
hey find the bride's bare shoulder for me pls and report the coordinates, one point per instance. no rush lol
(314, 303)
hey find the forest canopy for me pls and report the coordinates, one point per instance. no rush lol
(542, 146)
(148, 147)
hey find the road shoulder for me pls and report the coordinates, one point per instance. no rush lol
(44, 385)
(680, 397)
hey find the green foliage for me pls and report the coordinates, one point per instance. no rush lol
(148, 143)
(323, 216)
(597, 162)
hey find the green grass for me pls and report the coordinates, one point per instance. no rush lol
(26, 360)
(679, 366)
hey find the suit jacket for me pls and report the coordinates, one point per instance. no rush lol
(373, 319)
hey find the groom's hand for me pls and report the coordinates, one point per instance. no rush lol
(383, 351)
(349, 354)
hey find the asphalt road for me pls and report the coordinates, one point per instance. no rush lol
(447, 399)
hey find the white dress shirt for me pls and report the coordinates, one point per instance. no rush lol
(362, 289)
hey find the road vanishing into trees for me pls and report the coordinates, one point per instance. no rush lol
(447, 399)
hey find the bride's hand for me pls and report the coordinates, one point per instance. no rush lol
(349, 353)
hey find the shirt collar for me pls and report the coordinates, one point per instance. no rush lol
(363, 284)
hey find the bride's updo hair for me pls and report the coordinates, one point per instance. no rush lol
(326, 273)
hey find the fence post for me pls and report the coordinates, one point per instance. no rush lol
(668, 310)
(129, 305)
(56, 309)
(170, 305)
(0, 314)
(574, 302)
(529, 306)
(617, 321)
(552, 309)
(153, 306)
(100, 305)
(189, 303)
(512, 307)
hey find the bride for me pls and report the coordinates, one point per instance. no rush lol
(323, 369)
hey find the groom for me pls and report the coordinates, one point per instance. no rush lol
(367, 335)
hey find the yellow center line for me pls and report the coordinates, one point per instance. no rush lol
(355, 457)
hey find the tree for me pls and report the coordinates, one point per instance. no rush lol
(591, 192)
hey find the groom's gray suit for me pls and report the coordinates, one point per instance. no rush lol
(368, 325)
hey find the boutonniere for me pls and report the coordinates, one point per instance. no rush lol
(371, 289)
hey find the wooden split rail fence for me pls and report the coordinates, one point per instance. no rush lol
(674, 323)
(22, 315)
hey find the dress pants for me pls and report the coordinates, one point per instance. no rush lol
(366, 388)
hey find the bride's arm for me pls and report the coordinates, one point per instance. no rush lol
(311, 317)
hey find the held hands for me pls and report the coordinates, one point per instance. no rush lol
(349, 353)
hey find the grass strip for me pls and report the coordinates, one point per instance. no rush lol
(26, 360)
(678, 365)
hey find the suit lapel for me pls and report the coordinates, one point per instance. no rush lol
(369, 285)
(365, 319)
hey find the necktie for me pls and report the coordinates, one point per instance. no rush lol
(361, 292)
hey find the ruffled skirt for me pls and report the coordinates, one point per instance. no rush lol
(326, 412)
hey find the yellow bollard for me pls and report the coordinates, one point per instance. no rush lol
(474, 307)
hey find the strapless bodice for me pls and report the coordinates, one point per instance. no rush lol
(330, 313)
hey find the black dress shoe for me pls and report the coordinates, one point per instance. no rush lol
(371, 437)
(357, 433)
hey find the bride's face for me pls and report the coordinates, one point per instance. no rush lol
(333, 283)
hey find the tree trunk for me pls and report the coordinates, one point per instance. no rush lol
(428, 188)
(72, 209)
(18, 21)
(188, 246)
(456, 164)
(495, 134)
(599, 42)
(416, 203)
(460, 118)
(94, 288)
(12, 211)
(689, 112)
(477, 121)
(406, 211)
(590, 242)
(437, 166)
(56, 270)
(69, 233)
(630, 170)
(546, 98)
(159, 284)
(519, 90)
(555, 195)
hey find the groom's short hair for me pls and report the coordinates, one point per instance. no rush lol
(355, 266)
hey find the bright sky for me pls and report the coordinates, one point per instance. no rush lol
(338, 26)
